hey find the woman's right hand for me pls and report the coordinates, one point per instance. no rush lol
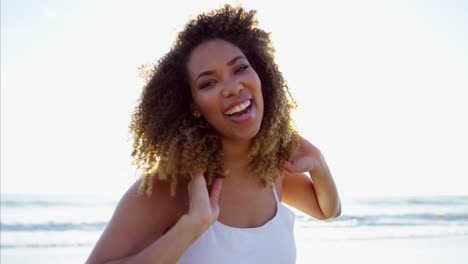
(204, 207)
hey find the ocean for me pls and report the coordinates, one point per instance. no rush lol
(64, 228)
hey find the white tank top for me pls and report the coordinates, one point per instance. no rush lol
(272, 242)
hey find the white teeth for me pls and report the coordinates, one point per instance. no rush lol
(238, 108)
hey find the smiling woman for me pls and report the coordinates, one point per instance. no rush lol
(214, 138)
(165, 116)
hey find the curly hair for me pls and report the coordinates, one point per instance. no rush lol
(170, 143)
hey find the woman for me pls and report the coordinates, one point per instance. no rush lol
(214, 137)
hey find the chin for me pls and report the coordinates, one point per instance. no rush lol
(247, 135)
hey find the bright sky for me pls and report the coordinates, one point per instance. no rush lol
(381, 88)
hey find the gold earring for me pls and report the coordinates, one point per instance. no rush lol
(196, 114)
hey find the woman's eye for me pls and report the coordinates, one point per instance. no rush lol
(242, 68)
(206, 84)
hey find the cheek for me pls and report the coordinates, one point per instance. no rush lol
(258, 85)
(255, 80)
(206, 101)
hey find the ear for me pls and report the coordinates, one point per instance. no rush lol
(195, 110)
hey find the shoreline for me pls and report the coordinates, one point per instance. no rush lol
(415, 250)
(418, 250)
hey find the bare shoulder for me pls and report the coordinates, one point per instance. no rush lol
(138, 220)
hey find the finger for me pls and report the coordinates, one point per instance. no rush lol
(215, 191)
(197, 186)
(226, 172)
(198, 178)
(196, 174)
(288, 165)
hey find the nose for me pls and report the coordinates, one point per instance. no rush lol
(232, 87)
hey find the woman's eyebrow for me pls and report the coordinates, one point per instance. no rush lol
(232, 61)
(205, 73)
(229, 63)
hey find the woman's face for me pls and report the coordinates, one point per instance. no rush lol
(226, 90)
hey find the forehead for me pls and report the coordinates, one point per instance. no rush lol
(210, 54)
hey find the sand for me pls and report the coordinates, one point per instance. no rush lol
(418, 250)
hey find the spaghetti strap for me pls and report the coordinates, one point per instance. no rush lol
(276, 195)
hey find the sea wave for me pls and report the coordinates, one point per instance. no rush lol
(47, 245)
(52, 221)
(414, 201)
(46, 203)
(348, 221)
(52, 226)
(422, 219)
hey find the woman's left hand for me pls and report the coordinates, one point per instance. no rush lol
(306, 158)
(315, 194)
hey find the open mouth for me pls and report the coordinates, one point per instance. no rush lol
(240, 109)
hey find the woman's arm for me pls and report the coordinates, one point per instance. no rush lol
(136, 232)
(316, 195)
(167, 249)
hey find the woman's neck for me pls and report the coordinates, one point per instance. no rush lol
(236, 155)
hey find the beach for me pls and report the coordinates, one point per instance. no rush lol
(427, 251)
(63, 229)
(420, 250)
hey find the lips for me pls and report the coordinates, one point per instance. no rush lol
(245, 116)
